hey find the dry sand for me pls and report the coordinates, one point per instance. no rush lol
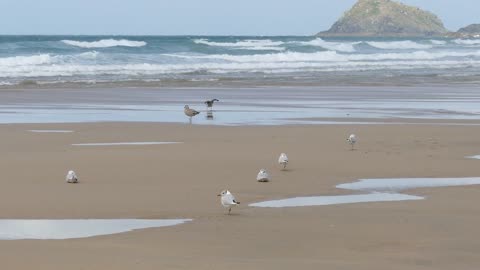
(181, 181)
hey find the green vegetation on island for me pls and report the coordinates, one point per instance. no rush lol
(386, 18)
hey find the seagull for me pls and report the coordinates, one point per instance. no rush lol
(352, 140)
(228, 200)
(71, 177)
(190, 112)
(210, 102)
(263, 176)
(283, 160)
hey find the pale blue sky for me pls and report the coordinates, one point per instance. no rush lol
(198, 17)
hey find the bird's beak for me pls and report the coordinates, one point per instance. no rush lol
(218, 195)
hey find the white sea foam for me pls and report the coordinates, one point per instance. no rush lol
(399, 45)
(259, 48)
(39, 59)
(5, 83)
(276, 66)
(105, 43)
(44, 59)
(331, 56)
(467, 41)
(243, 43)
(95, 63)
(251, 44)
(88, 55)
(438, 42)
(334, 46)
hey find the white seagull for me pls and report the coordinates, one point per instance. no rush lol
(263, 176)
(283, 160)
(71, 177)
(352, 140)
(228, 200)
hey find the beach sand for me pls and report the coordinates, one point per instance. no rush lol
(182, 181)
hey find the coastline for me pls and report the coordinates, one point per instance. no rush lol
(244, 106)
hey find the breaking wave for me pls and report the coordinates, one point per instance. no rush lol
(223, 68)
(25, 60)
(399, 45)
(331, 56)
(438, 42)
(90, 59)
(467, 41)
(334, 46)
(251, 44)
(105, 43)
(88, 63)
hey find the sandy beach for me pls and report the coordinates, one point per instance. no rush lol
(151, 135)
(182, 180)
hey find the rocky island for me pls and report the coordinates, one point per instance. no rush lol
(471, 31)
(386, 18)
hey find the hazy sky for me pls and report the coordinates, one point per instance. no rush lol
(198, 17)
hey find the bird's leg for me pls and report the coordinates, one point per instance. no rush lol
(284, 165)
(229, 210)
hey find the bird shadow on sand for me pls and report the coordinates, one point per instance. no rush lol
(232, 214)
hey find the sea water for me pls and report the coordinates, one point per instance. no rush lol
(254, 60)
(44, 229)
(375, 190)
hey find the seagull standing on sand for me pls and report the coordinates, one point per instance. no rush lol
(190, 112)
(228, 200)
(209, 103)
(283, 160)
(263, 176)
(352, 140)
(71, 177)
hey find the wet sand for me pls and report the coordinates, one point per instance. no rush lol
(243, 106)
(182, 180)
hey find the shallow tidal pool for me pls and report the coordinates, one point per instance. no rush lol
(17, 229)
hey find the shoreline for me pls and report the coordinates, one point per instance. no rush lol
(245, 106)
(412, 80)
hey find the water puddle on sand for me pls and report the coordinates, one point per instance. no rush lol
(44, 229)
(381, 190)
(123, 143)
(50, 131)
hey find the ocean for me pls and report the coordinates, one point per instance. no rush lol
(58, 61)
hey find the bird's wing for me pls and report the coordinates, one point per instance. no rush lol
(262, 175)
(229, 199)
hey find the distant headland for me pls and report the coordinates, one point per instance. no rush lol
(387, 18)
